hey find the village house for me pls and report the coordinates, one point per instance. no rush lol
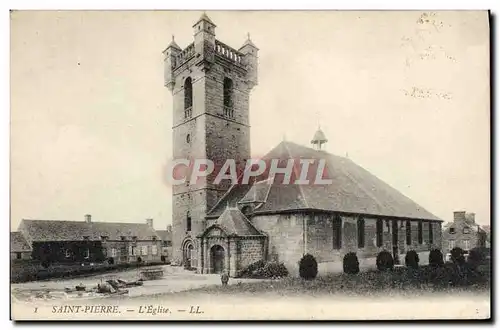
(463, 232)
(219, 227)
(90, 241)
(19, 247)
(166, 243)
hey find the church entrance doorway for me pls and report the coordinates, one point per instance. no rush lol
(217, 258)
(188, 255)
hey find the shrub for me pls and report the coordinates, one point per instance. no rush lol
(274, 269)
(457, 256)
(385, 261)
(412, 259)
(436, 258)
(250, 269)
(308, 267)
(351, 263)
(263, 269)
(476, 257)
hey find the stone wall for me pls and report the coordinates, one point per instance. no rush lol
(250, 250)
(286, 237)
(320, 237)
(123, 251)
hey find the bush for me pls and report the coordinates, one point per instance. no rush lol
(263, 269)
(250, 269)
(275, 269)
(351, 263)
(457, 256)
(476, 257)
(412, 259)
(385, 261)
(436, 258)
(308, 267)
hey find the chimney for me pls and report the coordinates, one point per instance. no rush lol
(88, 218)
(149, 222)
(458, 216)
(471, 217)
(169, 228)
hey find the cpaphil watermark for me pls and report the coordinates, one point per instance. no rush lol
(287, 171)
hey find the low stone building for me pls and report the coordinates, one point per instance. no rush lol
(166, 244)
(88, 241)
(463, 232)
(19, 247)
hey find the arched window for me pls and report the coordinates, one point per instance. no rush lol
(361, 233)
(420, 232)
(188, 222)
(337, 232)
(228, 97)
(188, 97)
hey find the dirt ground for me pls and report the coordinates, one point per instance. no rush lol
(175, 279)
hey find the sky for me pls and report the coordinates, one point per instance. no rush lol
(403, 94)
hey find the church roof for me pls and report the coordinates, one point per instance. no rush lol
(234, 223)
(258, 192)
(353, 189)
(53, 230)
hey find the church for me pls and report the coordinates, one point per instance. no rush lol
(225, 227)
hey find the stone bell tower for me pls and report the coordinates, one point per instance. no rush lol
(210, 84)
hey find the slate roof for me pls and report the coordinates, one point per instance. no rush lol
(353, 189)
(234, 223)
(52, 230)
(18, 243)
(165, 235)
(472, 225)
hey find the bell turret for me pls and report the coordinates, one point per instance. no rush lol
(319, 139)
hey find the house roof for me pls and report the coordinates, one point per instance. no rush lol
(352, 190)
(165, 235)
(18, 243)
(234, 223)
(470, 224)
(53, 230)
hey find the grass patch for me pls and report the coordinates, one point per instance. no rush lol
(401, 281)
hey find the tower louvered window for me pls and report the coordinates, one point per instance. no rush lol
(188, 98)
(228, 98)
